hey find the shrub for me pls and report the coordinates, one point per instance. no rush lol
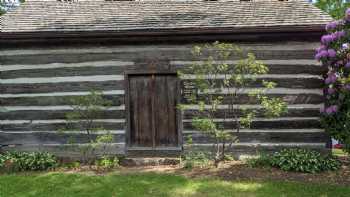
(27, 161)
(302, 160)
(263, 160)
(107, 162)
(297, 160)
(334, 53)
(195, 159)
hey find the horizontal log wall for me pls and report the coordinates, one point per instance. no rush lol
(37, 84)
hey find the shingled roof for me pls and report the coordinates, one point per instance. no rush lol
(41, 19)
(35, 16)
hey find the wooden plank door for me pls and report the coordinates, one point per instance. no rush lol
(153, 117)
(141, 112)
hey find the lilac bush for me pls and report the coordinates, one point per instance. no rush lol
(334, 53)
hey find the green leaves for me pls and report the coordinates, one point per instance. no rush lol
(86, 109)
(297, 160)
(302, 160)
(27, 161)
(219, 82)
(335, 8)
(338, 125)
(206, 125)
(274, 107)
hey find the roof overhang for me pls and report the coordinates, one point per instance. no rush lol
(166, 35)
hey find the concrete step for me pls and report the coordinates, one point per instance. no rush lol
(153, 153)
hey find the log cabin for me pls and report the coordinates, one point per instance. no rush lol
(51, 51)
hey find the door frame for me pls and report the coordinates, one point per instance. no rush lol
(178, 117)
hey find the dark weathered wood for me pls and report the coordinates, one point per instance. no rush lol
(29, 39)
(265, 137)
(52, 138)
(147, 54)
(57, 126)
(116, 100)
(280, 68)
(153, 114)
(296, 82)
(288, 98)
(220, 113)
(141, 111)
(272, 124)
(119, 85)
(165, 111)
(119, 99)
(53, 114)
(61, 87)
(118, 70)
(65, 71)
(152, 101)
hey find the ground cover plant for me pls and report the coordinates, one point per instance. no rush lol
(27, 161)
(297, 160)
(151, 184)
(334, 53)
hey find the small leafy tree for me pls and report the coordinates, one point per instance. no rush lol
(335, 8)
(86, 109)
(219, 83)
(8, 4)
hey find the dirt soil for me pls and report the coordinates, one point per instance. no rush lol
(234, 171)
(239, 171)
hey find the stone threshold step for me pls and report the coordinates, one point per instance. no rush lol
(149, 161)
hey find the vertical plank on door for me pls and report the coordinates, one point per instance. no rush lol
(165, 112)
(141, 111)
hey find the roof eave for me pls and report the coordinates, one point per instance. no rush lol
(158, 34)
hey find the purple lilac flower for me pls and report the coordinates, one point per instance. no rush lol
(331, 109)
(318, 56)
(331, 78)
(347, 87)
(345, 46)
(321, 48)
(337, 35)
(332, 53)
(330, 91)
(339, 63)
(326, 39)
(347, 65)
(321, 54)
(347, 15)
(331, 26)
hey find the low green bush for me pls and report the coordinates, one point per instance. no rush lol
(302, 160)
(263, 160)
(27, 161)
(297, 160)
(195, 159)
(107, 162)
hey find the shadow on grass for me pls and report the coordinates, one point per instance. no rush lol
(150, 184)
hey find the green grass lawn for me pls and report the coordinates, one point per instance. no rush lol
(150, 184)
